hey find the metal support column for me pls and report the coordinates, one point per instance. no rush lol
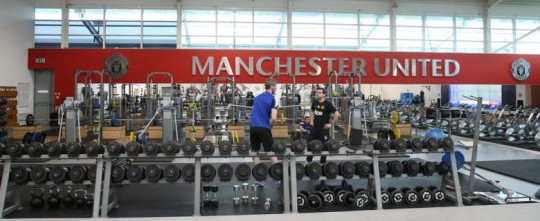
(457, 185)
(106, 187)
(294, 188)
(197, 191)
(4, 184)
(97, 188)
(377, 180)
(285, 185)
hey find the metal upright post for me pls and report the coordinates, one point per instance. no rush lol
(197, 192)
(106, 187)
(457, 184)
(97, 188)
(4, 185)
(475, 144)
(377, 180)
(294, 189)
(285, 185)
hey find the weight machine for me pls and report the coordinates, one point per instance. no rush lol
(87, 97)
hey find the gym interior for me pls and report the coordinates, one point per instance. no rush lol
(387, 109)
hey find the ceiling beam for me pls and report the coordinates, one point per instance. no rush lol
(492, 3)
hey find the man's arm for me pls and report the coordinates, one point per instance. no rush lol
(311, 118)
(336, 117)
(273, 116)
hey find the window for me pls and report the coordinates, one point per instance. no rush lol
(47, 27)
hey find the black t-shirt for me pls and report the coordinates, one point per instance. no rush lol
(322, 112)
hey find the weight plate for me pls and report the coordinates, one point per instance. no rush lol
(54, 149)
(74, 149)
(415, 144)
(439, 196)
(315, 146)
(189, 148)
(39, 174)
(279, 146)
(77, 174)
(397, 197)
(207, 147)
(92, 174)
(447, 143)
(362, 169)
(58, 174)
(135, 173)
(188, 172)
(364, 195)
(411, 196)
(428, 168)
(243, 147)
(225, 147)
(349, 199)
(301, 200)
(133, 149)
(329, 197)
(385, 197)
(298, 146)
(260, 171)
(115, 148)
(208, 172)
(384, 145)
(276, 171)
(399, 144)
(225, 172)
(313, 170)
(425, 195)
(395, 168)
(93, 149)
(170, 148)
(34, 149)
(300, 171)
(20, 175)
(152, 149)
(15, 149)
(118, 174)
(431, 144)
(443, 168)
(172, 173)
(332, 146)
(411, 167)
(242, 172)
(154, 173)
(330, 170)
(346, 169)
(314, 202)
(383, 169)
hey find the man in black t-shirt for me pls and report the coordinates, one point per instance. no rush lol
(321, 109)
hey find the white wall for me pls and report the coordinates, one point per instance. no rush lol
(17, 35)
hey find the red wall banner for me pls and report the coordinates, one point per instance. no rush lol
(254, 66)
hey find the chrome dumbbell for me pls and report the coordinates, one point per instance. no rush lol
(268, 204)
(236, 199)
(255, 198)
(245, 197)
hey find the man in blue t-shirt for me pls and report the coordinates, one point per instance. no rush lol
(263, 116)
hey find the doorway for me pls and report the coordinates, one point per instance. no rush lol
(43, 96)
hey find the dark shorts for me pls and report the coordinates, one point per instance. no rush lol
(321, 134)
(261, 135)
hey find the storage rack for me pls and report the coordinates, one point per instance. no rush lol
(180, 158)
(45, 160)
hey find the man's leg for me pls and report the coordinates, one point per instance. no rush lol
(255, 143)
(324, 138)
(312, 136)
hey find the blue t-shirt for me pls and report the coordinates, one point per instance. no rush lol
(305, 125)
(262, 107)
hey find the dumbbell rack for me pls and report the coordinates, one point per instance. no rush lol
(375, 179)
(196, 159)
(63, 160)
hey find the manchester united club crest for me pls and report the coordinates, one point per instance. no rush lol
(116, 65)
(521, 69)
